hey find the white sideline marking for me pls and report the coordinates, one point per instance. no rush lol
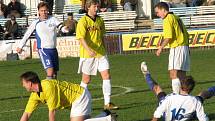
(127, 90)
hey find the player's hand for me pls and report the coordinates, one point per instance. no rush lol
(65, 29)
(158, 52)
(19, 50)
(91, 53)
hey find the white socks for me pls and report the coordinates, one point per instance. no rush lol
(106, 88)
(84, 85)
(106, 118)
(176, 85)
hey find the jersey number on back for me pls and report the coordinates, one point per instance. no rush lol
(177, 114)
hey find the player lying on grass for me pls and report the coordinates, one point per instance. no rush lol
(58, 95)
(174, 107)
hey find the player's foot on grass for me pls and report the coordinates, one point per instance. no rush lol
(113, 115)
(110, 106)
(144, 68)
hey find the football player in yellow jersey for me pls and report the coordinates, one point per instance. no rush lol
(58, 95)
(176, 35)
(90, 32)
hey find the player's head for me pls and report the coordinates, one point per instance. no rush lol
(187, 84)
(92, 7)
(161, 9)
(43, 10)
(28, 79)
(70, 15)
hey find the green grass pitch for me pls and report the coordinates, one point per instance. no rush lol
(130, 91)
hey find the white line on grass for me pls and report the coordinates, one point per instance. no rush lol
(127, 90)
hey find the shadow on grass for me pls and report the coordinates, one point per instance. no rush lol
(211, 116)
(10, 98)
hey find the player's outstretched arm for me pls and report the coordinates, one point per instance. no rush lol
(25, 116)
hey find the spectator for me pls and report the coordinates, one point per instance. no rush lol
(128, 5)
(83, 7)
(1, 32)
(197, 3)
(50, 3)
(3, 10)
(71, 24)
(11, 28)
(13, 8)
(210, 2)
(105, 6)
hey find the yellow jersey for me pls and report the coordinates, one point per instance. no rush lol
(174, 29)
(92, 31)
(54, 93)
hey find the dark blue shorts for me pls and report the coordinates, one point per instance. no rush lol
(49, 58)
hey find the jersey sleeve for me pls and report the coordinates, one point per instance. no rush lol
(161, 108)
(28, 33)
(168, 27)
(58, 24)
(81, 29)
(200, 112)
(33, 102)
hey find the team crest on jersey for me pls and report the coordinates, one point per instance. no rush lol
(93, 28)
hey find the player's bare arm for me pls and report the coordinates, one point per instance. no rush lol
(89, 50)
(51, 115)
(164, 43)
(19, 50)
(25, 116)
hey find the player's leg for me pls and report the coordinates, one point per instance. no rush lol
(81, 108)
(105, 115)
(85, 80)
(208, 93)
(151, 83)
(176, 84)
(49, 59)
(149, 80)
(88, 67)
(103, 67)
(179, 63)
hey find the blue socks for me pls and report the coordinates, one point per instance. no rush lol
(212, 90)
(149, 81)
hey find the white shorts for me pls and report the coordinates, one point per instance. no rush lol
(90, 66)
(82, 106)
(179, 58)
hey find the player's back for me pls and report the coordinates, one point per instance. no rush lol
(181, 108)
(184, 107)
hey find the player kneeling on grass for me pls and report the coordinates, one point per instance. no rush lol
(58, 95)
(175, 107)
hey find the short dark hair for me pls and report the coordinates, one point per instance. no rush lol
(30, 76)
(91, 2)
(43, 4)
(12, 17)
(70, 14)
(162, 5)
(187, 84)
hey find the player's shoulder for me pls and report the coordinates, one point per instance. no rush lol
(35, 21)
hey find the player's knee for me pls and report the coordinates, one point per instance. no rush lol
(105, 75)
